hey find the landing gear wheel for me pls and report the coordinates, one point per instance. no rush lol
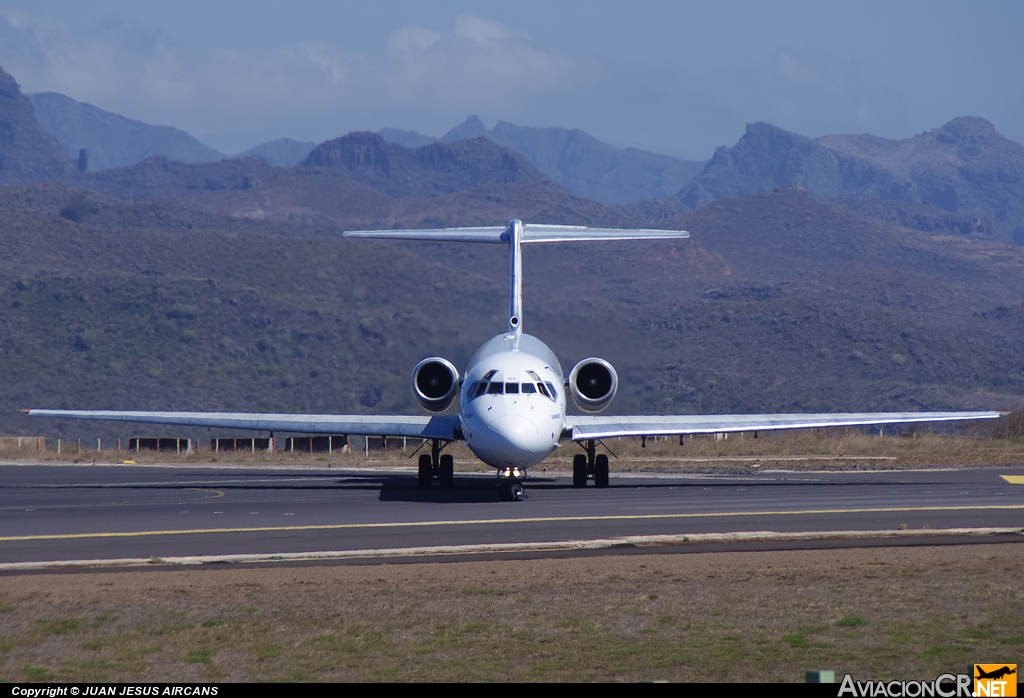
(447, 474)
(601, 471)
(579, 470)
(511, 491)
(426, 471)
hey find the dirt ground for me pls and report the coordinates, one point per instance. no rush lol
(907, 613)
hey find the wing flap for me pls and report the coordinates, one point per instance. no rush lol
(604, 427)
(426, 427)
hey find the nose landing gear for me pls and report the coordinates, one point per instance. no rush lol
(436, 465)
(511, 491)
(511, 488)
(589, 465)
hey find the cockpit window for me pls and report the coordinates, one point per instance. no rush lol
(489, 387)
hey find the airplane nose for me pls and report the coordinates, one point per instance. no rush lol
(518, 431)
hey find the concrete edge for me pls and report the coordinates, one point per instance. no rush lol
(596, 544)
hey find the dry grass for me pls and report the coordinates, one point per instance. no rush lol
(800, 449)
(878, 613)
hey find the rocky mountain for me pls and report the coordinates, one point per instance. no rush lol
(307, 199)
(408, 139)
(584, 165)
(283, 152)
(302, 198)
(112, 140)
(160, 177)
(431, 170)
(27, 152)
(920, 216)
(964, 167)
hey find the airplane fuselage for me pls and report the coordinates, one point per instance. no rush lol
(512, 402)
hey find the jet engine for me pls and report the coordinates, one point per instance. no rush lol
(593, 383)
(435, 383)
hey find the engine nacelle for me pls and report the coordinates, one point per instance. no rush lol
(593, 383)
(435, 383)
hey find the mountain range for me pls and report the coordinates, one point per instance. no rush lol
(961, 176)
(112, 140)
(963, 167)
(226, 285)
(579, 162)
(283, 152)
(27, 152)
(582, 164)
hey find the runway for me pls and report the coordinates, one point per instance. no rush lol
(67, 513)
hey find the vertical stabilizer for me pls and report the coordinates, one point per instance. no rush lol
(515, 279)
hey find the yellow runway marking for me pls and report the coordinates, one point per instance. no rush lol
(469, 522)
(1014, 479)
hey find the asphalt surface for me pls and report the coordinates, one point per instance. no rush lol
(50, 513)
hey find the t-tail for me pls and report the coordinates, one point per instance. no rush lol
(516, 234)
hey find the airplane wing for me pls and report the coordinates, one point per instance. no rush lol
(604, 427)
(444, 427)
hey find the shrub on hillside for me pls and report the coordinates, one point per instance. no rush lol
(79, 208)
(1008, 427)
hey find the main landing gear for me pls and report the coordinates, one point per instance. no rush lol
(511, 488)
(435, 465)
(588, 465)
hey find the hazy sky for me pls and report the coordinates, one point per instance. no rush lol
(673, 77)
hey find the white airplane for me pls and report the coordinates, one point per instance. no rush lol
(513, 396)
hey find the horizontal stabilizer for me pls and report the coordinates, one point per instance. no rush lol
(532, 233)
(576, 233)
(480, 234)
